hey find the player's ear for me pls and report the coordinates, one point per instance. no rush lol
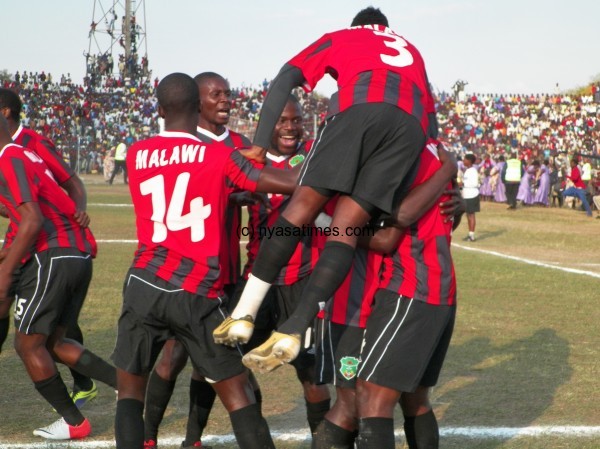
(161, 111)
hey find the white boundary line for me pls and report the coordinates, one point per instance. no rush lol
(528, 261)
(111, 204)
(301, 435)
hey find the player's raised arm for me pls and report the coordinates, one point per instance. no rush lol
(287, 79)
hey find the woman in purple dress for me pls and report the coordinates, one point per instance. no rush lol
(543, 191)
(498, 187)
(485, 191)
(524, 195)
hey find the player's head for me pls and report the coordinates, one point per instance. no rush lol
(5, 136)
(177, 96)
(370, 16)
(288, 129)
(215, 99)
(469, 159)
(10, 105)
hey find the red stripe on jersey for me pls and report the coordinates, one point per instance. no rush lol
(421, 267)
(361, 59)
(351, 303)
(260, 221)
(24, 177)
(45, 149)
(230, 250)
(179, 187)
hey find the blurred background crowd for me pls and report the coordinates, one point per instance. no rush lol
(87, 121)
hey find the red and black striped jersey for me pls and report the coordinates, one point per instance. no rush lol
(263, 215)
(371, 64)
(351, 303)
(422, 267)
(24, 177)
(45, 149)
(180, 186)
(230, 251)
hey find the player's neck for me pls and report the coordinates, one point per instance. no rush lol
(217, 130)
(182, 125)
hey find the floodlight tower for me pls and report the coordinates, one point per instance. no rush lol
(128, 41)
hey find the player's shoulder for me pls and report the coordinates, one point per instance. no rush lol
(29, 135)
(239, 140)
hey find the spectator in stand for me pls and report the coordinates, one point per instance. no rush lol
(578, 188)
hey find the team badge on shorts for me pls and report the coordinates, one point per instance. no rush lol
(296, 160)
(349, 367)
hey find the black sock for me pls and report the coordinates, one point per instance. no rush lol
(4, 325)
(90, 365)
(55, 392)
(202, 398)
(422, 431)
(129, 424)
(330, 435)
(329, 273)
(158, 394)
(259, 399)
(376, 432)
(315, 413)
(250, 429)
(80, 381)
(275, 252)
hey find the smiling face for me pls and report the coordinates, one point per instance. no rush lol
(288, 130)
(215, 104)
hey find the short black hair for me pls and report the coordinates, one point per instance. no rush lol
(178, 93)
(10, 99)
(370, 16)
(205, 76)
(470, 157)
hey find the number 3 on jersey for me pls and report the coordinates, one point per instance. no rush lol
(403, 58)
(175, 220)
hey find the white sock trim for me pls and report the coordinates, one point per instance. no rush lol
(252, 297)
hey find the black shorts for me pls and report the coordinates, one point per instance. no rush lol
(472, 205)
(154, 311)
(405, 342)
(51, 289)
(337, 353)
(365, 152)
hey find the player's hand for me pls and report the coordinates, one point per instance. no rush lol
(255, 153)
(453, 207)
(3, 211)
(82, 218)
(249, 199)
(6, 279)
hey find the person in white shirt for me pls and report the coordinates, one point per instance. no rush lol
(470, 192)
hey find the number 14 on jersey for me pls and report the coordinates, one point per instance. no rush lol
(169, 216)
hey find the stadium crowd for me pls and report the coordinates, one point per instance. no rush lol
(88, 123)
